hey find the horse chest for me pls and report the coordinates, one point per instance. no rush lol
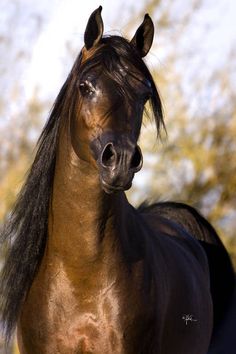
(60, 318)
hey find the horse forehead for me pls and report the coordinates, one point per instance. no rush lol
(123, 83)
(113, 70)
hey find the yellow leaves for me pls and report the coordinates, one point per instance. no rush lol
(10, 184)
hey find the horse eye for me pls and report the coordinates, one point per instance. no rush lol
(86, 88)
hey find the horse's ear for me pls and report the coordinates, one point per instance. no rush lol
(94, 29)
(143, 37)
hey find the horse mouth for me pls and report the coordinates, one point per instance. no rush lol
(109, 188)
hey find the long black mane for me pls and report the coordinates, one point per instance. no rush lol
(27, 226)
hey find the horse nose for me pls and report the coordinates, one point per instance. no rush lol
(115, 157)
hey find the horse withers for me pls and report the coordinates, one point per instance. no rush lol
(86, 271)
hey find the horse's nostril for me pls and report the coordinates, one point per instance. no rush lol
(137, 159)
(108, 155)
(126, 159)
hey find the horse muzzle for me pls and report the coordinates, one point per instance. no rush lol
(117, 163)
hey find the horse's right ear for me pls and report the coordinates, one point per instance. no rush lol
(94, 29)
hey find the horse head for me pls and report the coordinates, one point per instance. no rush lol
(113, 86)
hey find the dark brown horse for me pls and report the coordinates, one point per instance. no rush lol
(86, 272)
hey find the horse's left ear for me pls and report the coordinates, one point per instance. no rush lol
(94, 29)
(143, 37)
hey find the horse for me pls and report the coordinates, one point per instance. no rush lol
(86, 272)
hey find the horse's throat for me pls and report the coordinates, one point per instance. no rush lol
(81, 213)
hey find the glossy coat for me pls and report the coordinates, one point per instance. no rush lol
(105, 278)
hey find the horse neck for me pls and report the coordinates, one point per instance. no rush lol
(81, 213)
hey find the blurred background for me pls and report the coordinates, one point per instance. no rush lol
(193, 60)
